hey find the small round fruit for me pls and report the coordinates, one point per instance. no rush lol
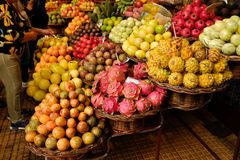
(51, 143)
(82, 127)
(89, 77)
(96, 131)
(144, 46)
(100, 60)
(107, 55)
(88, 138)
(39, 140)
(63, 144)
(140, 54)
(29, 137)
(70, 132)
(108, 62)
(58, 132)
(167, 35)
(82, 116)
(60, 121)
(71, 122)
(89, 110)
(75, 142)
(122, 57)
(101, 124)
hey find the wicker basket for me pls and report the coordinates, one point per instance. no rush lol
(188, 101)
(127, 125)
(235, 68)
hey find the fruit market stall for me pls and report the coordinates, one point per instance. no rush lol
(114, 68)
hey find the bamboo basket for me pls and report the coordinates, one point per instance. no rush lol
(127, 125)
(187, 102)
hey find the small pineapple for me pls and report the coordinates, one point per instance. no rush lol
(200, 54)
(218, 79)
(162, 75)
(176, 43)
(173, 52)
(186, 53)
(185, 42)
(190, 80)
(163, 60)
(175, 79)
(205, 66)
(191, 65)
(220, 66)
(164, 46)
(214, 55)
(206, 80)
(176, 64)
(227, 75)
(196, 46)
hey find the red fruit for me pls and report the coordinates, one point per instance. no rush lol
(138, 4)
(194, 17)
(209, 23)
(196, 10)
(211, 14)
(186, 32)
(180, 23)
(195, 33)
(196, 2)
(75, 54)
(203, 7)
(200, 24)
(88, 41)
(185, 14)
(204, 15)
(178, 30)
(86, 51)
(217, 18)
(85, 36)
(188, 8)
(189, 24)
(179, 13)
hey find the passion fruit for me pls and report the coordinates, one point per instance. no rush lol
(96, 131)
(89, 77)
(88, 138)
(100, 60)
(39, 140)
(51, 143)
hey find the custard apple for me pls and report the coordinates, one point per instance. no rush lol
(205, 66)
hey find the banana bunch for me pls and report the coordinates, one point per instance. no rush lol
(122, 5)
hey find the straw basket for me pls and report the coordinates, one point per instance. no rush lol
(186, 102)
(74, 154)
(127, 125)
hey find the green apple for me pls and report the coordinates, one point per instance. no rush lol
(108, 28)
(140, 54)
(113, 18)
(153, 23)
(144, 46)
(159, 29)
(110, 22)
(103, 27)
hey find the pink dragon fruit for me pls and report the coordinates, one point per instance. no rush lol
(160, 90)
(100, 82)
(97, 100)
(143, 105)
(156, 98)
(146, 87)
(115, 89)
(127, 108)
(140, 71)
(131, 91)
(123, 67)
(115, 73)
(110, 105)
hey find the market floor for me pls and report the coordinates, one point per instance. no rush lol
(184, 137)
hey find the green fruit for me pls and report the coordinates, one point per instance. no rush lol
(103, 27)
(108, 28)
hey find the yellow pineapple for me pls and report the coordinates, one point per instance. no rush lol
(191, 65)
(176, 64)
(205, 66)
(190, 80)
(175, 79)
(206, 80)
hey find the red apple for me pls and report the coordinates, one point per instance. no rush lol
(180, 23)
(196, 10)
(186, 32)
(203, 6)
(204, 15)
(195, 33)
(200, 24)
(194, 17)
(209, 23)
(196, 2)
(189, 24)
(188, 8)
(185, 14)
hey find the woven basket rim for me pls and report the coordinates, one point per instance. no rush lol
(40, 151)
(234, 58)
(181, 89)
(120, 117)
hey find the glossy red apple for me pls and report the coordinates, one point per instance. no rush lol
(204, 15)
(209, 23)
(189, 24)
(195, 33)
(194, 17)
(186, 32)
(200, 24)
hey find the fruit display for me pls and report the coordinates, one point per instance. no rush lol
(86, 43)
(89, 29)
(122, 31)
(113, 93)
(100, 58)
(76, 22)
(51, 6)
(122, 5)
(223, 35)
(66, 122)
(144, 38)
(69, 11)
(134, 11)
(87, 6)
(54, 18)
(178, 63)
(228, 10)
(191, 21)
(109, 23)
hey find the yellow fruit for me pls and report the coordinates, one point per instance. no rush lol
(31, 90)
(176, 64)
(206, 80)
(190, 80)
(175, 79)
